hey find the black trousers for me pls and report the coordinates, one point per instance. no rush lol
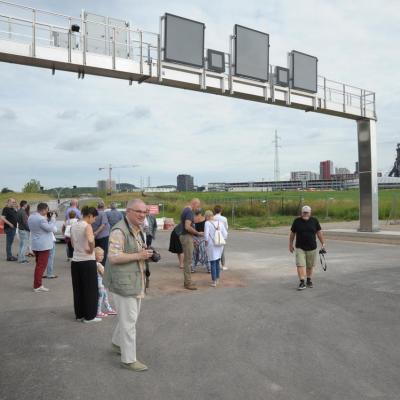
(103, 243)
(85, 288)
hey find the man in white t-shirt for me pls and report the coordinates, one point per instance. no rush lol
(219, 217)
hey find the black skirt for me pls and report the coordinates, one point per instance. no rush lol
(175, 245)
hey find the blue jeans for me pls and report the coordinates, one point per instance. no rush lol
(23, 245)
(50, 263)
(10, 235)
(214, 269)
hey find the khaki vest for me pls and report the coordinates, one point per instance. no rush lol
(124, 279)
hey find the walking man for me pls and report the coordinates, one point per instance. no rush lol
(305, 228)
(42, 231)
(101, 230)
(186, 238)
(9, 216)
(124, 278)
(23, 231)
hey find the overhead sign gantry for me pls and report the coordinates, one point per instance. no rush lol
(177, 57)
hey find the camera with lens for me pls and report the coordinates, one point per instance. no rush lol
(156, 257)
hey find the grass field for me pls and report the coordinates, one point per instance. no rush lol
(260, 209)
(256, 209)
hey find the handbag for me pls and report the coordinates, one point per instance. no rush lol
(67, 232)
(218, 238)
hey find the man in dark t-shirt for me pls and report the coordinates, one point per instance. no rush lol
(186, 238)
(9, 216)
(305, 229)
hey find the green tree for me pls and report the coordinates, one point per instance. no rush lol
(33, 186)
(6, 190)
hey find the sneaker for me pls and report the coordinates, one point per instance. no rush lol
(41, 289)
(190, 287)
(52, 277)
(111, 312)
(225, 268)
(302, 286)
(213, 284)
(136, 366)
(101, 315)
(310, 284)
(115, 348)
(12, 259)
(24, 262)
(90, 321)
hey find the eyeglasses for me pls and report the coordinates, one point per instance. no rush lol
(137, 211)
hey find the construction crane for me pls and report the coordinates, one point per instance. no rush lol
(110, 168)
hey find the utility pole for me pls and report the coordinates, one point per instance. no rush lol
(276, 160)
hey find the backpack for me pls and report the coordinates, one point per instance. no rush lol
(218, 238)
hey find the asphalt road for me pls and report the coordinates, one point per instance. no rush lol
(254, 338)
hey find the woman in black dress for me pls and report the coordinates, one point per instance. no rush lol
(175, 245)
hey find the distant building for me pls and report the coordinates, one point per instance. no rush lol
(104, 185)
(127, 187)
(303, 176)
(342, 171)
(160, 189)
(325, 169)
(184, 183)
(262, 186)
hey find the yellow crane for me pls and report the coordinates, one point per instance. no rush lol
(110, 167)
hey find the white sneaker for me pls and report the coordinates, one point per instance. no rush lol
(225, 268)
(90, 321)
(213, 284)
(41, 289)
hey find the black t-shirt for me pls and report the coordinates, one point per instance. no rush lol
(306, 231)
(187, 214)
(11, 216)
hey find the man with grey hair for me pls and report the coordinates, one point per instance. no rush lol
(186, 238)
(124, 277)
(305, 228)
(113, 215)
(73, 206)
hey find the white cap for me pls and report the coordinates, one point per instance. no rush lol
(306, 209)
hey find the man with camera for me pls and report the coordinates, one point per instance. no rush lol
(42, 226)
(124, 277)
(305, 228)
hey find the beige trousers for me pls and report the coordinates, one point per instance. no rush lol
(187, 245)
(124, 335)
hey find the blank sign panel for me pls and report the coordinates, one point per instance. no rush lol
(251, 53)
(304, 71)
(184, 41)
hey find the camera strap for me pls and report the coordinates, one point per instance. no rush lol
(322, 260)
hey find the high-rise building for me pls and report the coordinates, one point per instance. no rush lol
(184, 183)
(303, 176)
(104, 185)
(325, 169)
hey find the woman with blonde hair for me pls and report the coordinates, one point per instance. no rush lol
(213, 231)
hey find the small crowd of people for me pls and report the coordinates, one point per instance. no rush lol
(110, 251)
(195, 241)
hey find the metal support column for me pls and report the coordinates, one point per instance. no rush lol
(367, 163)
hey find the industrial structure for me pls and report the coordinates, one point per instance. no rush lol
(184, 183)
(176, 56)
(396, 167)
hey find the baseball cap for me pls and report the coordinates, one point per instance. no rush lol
(306, 209)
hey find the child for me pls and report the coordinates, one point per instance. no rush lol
(67, 233)
(103, 303)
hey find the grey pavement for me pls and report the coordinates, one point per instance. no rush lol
(259, 340)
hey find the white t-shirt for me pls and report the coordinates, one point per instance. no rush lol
(221, 218)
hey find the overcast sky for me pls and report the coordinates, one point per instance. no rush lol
(59, 129)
